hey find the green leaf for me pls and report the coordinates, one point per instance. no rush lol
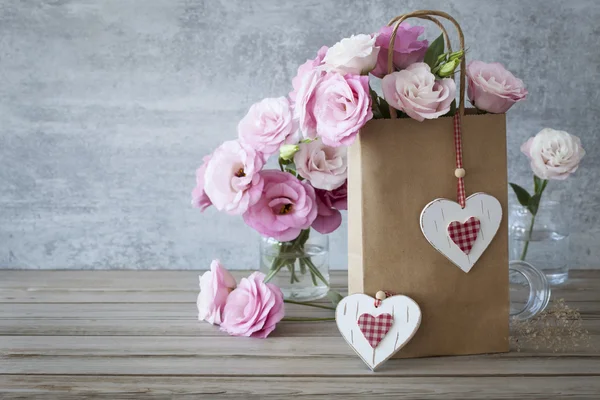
(384, 108)
(522, 195)
(537, 183)
(435, 50)
(452, 108)
(335, 297)
(534, 203)
(375, 104)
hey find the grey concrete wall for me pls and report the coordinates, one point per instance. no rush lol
(107, 107)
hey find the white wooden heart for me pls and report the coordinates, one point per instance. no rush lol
(437, 215)
(406, 320)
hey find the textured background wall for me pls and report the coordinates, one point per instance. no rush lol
(107, 107)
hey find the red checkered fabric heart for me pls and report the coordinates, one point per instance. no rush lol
(375, 328)
(464, 235)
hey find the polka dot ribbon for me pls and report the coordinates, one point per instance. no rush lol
(460, 186)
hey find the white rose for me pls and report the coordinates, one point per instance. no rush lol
(323, 166)
(553, 154)
(356, 55)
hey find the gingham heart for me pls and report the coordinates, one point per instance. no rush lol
(464, 235)
(438, 215)
(404, 318)
(375, 328)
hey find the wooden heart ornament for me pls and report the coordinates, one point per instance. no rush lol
(377, 333)
(462, 234)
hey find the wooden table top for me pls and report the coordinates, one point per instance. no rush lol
(134, 334)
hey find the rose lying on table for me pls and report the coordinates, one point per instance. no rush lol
(253, 308)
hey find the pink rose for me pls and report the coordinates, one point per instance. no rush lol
(253, 308)
(199, 197)
(492, 88)
(328, 203)
(325, 167)
(415, 91)
(231, 179)
(268, 124)
(215, 286)
(286, 206)
(408, 49)
(553, 154)
(305, 70)
(337, 198)
(333, 107)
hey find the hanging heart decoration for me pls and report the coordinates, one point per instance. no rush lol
(462, 243)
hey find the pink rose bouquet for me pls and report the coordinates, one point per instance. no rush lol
(330, 100)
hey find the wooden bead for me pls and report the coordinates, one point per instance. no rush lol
(380, 295)
(459, 172)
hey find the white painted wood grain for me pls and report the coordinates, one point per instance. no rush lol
(437, 215)
(407, 318)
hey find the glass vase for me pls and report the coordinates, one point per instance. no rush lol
(299, 267)
(542, 240)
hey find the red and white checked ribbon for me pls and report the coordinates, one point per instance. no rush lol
(460, 188)
(387, 294)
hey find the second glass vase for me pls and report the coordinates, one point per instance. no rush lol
(299, 267)
(542, 240)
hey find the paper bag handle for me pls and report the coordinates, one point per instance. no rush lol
(428, 15)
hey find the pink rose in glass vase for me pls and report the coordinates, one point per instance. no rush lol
(199, 197)
(269, 124)
(416, 92)
(286, 206)
(492, 88)
(231, 179)
(323, 166)
(333, 107)
(215, 286)
(408, 49)
(254, 308)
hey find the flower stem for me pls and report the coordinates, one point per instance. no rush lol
(529, 234)
(308, 319)
(533, 210)
(309, 304)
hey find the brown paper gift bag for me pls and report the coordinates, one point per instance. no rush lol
(396, 167)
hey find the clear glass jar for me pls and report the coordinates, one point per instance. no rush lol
(529, 290)
(299, 267)
(542, 240)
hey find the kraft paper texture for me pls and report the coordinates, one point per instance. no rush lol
(398, 166)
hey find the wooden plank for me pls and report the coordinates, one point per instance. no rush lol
(121, 279)
(127, 311)
(180, 296)
(69, 387)
(156, 327)
(277, 365)
(186, 311)
(579, 280)
(221, 344)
